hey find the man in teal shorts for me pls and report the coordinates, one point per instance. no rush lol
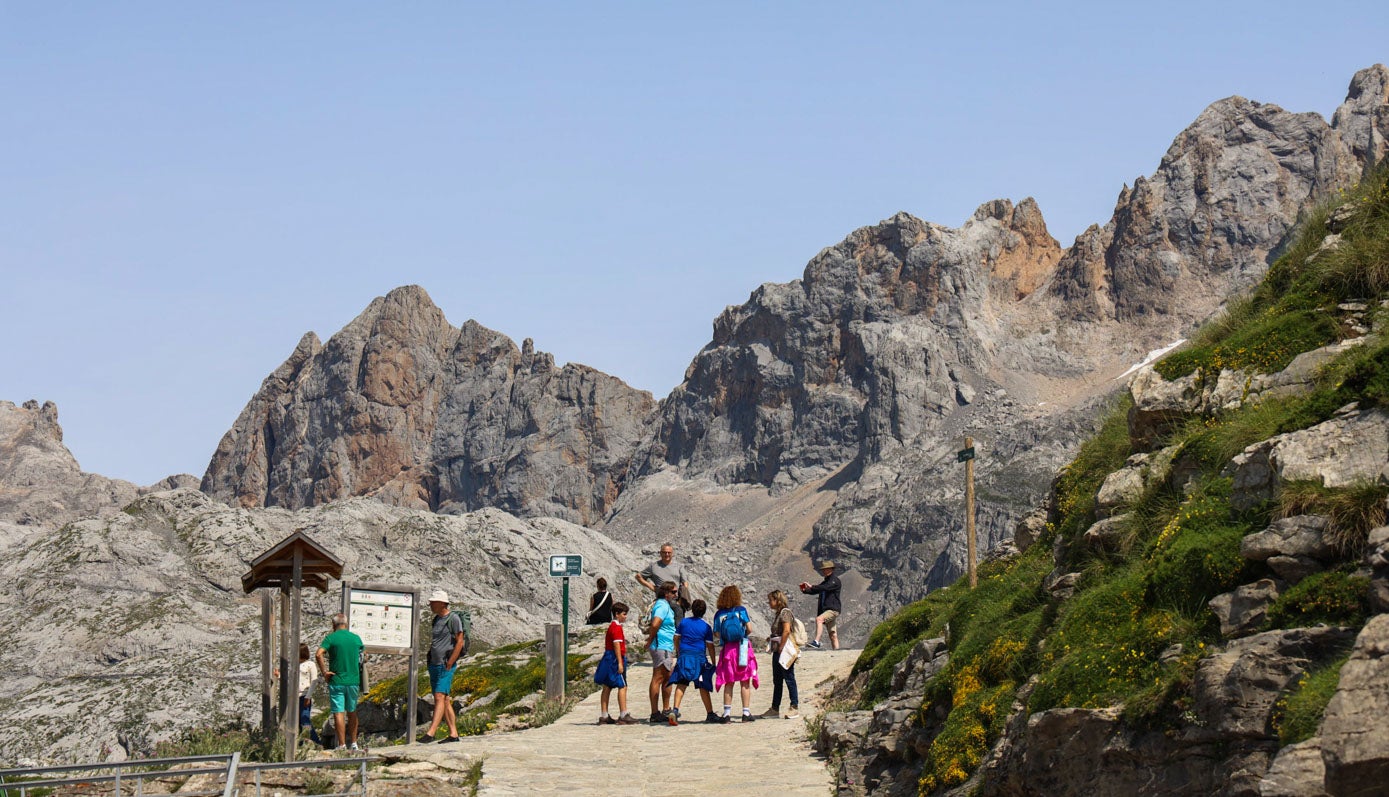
(343, 669)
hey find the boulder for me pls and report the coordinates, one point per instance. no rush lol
(1350, 448)
(1297, 536)
(1296, 771)
(1355, 728)
(1030, 529)
(926, 659)
(1377, 557)
(1242, 611)
(1236, 688)
(1107, 534)
(1123, 487)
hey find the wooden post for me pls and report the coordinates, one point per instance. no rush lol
(286, 664)
(267, 643)
(969, 513)
(554, 661)
(291, 675)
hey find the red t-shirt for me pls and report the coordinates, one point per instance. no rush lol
(615, 637)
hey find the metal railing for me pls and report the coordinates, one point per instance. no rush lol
(138, 770)
(233, 775)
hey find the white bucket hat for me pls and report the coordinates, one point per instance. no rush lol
(438, 596)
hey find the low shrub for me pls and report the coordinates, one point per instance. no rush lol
(1332, 597)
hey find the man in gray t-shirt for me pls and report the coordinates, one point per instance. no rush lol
(663, 570)
(446, 646)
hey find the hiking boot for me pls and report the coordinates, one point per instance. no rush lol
(715, 718)
(772, 712)
(606, 720)
(626, 719)
(657, 719)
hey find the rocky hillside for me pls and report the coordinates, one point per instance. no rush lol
(1201, 605)
(41, 483)
(139, 617)
(404, 407)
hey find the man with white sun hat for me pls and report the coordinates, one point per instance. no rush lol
(448, 641)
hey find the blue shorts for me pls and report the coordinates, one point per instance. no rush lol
(342, 697)
(440, 679)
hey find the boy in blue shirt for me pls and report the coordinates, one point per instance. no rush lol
(694, 650)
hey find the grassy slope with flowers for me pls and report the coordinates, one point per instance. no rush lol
(1105, 645)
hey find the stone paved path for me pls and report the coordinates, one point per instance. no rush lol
(576, 756)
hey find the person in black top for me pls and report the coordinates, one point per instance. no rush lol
(827, 612)
(600, 606)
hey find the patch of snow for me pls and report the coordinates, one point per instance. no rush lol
(1152, 357)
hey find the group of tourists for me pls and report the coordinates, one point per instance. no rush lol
(712, 655)
(688, 650)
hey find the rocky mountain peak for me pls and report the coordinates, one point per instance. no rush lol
(402, 406)
(1363, 119)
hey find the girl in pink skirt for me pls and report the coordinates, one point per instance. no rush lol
(737, 660)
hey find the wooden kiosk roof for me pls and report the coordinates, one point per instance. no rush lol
(275, 567)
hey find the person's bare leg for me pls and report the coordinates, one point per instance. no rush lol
(451, 716)
(340, 723)
(727, 698)
(834, 638)
(679, 695)
(440, 700)
(666, 693)
(658, 682)
(819, 628)
(622, 701)
(352, 727)
(747, 695)
(708, 701)
(603, 700)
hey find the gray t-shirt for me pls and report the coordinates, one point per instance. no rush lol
(446, 630)
(659, 573)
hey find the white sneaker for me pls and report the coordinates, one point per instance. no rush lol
(353, 747)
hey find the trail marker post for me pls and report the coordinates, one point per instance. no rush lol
(564, 566)
(966, 455)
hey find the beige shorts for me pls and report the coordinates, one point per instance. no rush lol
(663, 658)
(830, 618)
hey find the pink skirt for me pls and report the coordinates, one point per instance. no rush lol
(728, 670)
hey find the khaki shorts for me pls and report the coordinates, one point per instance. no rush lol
(830, 618)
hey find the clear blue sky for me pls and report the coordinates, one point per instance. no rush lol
(189, 187)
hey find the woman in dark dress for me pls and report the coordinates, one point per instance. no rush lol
(600, 606)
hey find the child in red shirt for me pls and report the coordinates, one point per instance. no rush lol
(612, 670)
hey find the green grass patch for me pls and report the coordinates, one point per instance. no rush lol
(1264, 344)
(1297, 714)
(1332, 597)
(1098, 457)
(1196, 555)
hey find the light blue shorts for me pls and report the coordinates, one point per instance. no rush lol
(342, 697)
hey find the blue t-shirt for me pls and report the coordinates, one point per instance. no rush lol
(665, 635)
(693, 633)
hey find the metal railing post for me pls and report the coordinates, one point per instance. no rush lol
(232, 764)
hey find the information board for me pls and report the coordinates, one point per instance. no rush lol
(383, 618)
(566, 565)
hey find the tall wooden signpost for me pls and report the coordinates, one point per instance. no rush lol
(966, 455)
(290, 565)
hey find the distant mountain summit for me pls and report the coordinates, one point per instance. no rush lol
(402, 406)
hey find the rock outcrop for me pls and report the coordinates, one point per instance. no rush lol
(402, 406)
(140, 616)
(41, 484)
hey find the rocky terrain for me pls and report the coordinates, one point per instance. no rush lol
(821, 420)
(1198, 605)
(134, 621)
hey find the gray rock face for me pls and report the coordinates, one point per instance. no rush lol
(141, 614)
(1227, 191)
(1350, 448)
(863, 354)
(1296, 771)
(404, 407)
(1355, 728)
(1293, 547)
(1377, 557)
(1363, 119)
(41, 483)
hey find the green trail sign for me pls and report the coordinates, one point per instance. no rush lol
(965, 454)
(567, 565)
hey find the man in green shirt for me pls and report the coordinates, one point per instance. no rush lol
(340, 661)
